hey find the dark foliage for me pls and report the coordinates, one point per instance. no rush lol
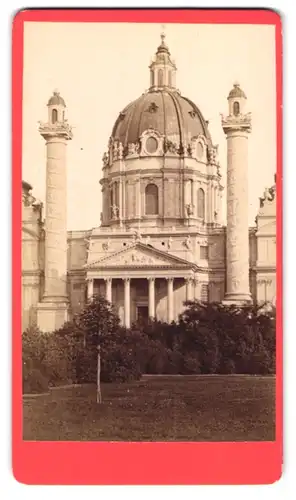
(208, 338)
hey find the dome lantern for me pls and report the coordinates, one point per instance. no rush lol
(236, 100)
(56, 108)
(162, 69)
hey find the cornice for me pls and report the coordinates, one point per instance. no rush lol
(33, 272)
(74, 272)
(159, 172)
(265, 268)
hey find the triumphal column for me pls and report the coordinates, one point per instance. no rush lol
(52, 312)
(237, 126)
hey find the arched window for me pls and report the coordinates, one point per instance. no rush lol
(160, 77)
(152, 78)
(115, 193)
(199, 150)
(201, 203)
(236, 108)
(54, 116)
(151, 199)
(170, 78)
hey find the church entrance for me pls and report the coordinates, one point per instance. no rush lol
(142, 314)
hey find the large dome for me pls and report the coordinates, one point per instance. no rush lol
(161, 166)
(165, 110)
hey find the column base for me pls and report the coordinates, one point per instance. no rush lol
(52, 315)
(239, 299)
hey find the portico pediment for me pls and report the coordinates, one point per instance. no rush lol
(141, 255)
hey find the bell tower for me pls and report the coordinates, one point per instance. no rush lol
(52, 312)
(237, 126)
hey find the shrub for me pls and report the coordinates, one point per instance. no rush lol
(227, 366)
(191, 364)
(209, 338)
(258, 363)
(175, 362)
(34, 381)
(35, 370)
(48, 360)
(156, 357)
(119, 364)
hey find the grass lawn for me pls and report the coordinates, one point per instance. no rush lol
(193, 408)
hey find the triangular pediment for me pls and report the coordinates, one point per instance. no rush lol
(27, 233)
(141, 255)
(267, 227)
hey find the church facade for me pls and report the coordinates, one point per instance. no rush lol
(161, 239)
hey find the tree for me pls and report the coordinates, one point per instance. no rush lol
(100, 326)
(98, 321)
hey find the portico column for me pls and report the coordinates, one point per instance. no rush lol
(90, 288)
(195, 285)
(108, 282)
(170, 299)
(189, 295)
(127, 298)
(151, 297)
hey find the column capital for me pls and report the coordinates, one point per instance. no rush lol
(151, 278)
(170, 279)
(108, 280)
(126, 280)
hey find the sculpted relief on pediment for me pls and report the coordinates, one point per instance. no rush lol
(134, 258)
(139, 257)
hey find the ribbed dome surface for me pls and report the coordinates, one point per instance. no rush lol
(165, 110)
(26, 186)
(236, 92)
(56, 99)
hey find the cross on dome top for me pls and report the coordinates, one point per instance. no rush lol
(163, 47)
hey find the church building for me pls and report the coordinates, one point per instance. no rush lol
(161, 239)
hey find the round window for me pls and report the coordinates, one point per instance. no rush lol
(151, 145)
(200, 150)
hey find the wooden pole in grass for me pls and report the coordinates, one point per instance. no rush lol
(99, 395)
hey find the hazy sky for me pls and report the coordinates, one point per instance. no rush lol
(99, 68)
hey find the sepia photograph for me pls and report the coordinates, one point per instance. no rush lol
(149, 241)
